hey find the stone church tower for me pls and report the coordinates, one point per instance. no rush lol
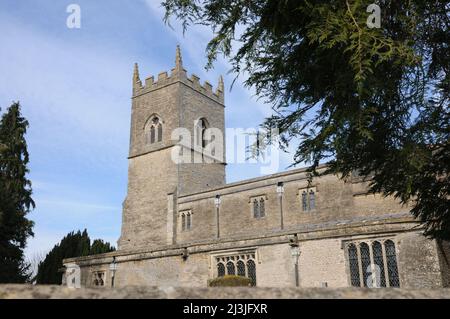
(155, 180)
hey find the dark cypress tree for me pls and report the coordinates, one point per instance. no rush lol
(100, 247)
(15, 197)
(72, 245)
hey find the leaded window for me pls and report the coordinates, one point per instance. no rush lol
(240, 268)
(365, 262)
(373, 264)
(251, 269)
(394, 280)
(231, 270)
(380, 276)
(354, 266)
(220, 270)
(154, 130)
(241, 264)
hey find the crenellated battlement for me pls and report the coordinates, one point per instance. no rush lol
(177, 74)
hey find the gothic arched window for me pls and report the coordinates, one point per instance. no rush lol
(354, 266)
(159, 132)
(380, 275)
(154, 130)
(391, 260)
(230, 268)
(251, 269)
(240, 268)
(220, 270)
(375, 259)
(200, 129)
(365, 262)
(242, 265)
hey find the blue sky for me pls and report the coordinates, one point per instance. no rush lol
(74, 86)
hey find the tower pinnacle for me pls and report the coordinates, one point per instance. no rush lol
(178, 59)
(137, 84)
(220, 88)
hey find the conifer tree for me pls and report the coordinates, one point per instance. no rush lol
(15, 196)
(72, 245)
(365, 99)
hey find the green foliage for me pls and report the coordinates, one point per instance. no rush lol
(72, 245)
(15, 196)
(370, 100)
(230, 281)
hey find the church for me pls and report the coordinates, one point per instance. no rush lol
(183, 225)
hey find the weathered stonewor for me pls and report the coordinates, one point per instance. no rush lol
(58, 292)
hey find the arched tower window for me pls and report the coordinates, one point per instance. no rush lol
(200, 129)
(154, 130)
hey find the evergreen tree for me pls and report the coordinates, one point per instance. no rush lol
(72, 245)
(15, 196)
(371, 100)
(99, 247)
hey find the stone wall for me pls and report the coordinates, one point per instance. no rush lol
(335, 201)
(58, 292)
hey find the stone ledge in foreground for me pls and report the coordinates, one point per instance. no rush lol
(59, 292)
